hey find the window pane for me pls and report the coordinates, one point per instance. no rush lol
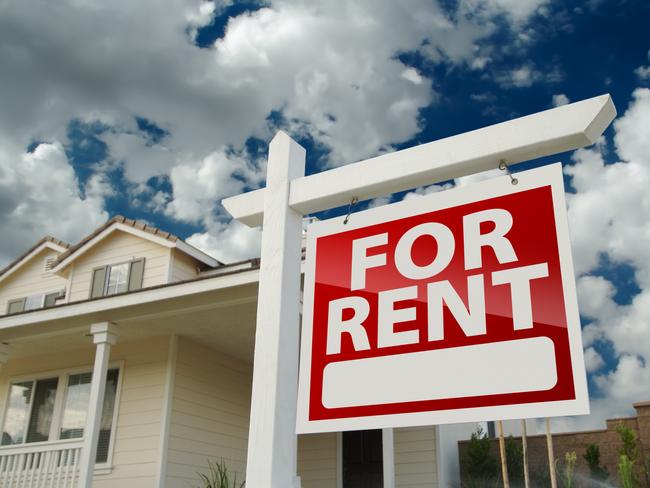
(117, 279)
(76, 404)
(33, 302)
(107, 416)
(20, 395)
(41, 418)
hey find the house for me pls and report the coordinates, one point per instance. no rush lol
(126, 361)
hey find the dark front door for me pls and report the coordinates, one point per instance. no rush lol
(362, 459)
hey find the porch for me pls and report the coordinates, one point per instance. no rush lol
(166, 354)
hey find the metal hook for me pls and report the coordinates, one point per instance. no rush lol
(352, 203)
(504, 167)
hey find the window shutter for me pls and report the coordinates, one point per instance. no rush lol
(50, 299)
(135, 274)
(15, 306)
(99, 281)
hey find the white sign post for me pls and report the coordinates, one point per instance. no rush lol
(290, 195)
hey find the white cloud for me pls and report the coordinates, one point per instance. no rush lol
(229, 242)
(40, 194)
(560, 99)
(329, 67)
(521, 77)
(643, 72)
(517, 10)
(198, 186)
(593, 360)
(608, 216)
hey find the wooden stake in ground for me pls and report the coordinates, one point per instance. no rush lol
(502, 451)
(524, 448)
(551, 458)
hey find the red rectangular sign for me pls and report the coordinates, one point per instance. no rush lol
(451, 307)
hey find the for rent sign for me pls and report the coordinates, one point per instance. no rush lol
(451, 307)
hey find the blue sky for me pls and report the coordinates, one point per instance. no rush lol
(159, 111)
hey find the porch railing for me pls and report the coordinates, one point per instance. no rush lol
(41, 465)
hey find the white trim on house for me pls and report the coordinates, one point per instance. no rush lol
(23, 261)
(139, 297)
(197, 254)
(168, 398)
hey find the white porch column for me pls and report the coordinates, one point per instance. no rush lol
(104, 336)
(388, 456)
(272, 440)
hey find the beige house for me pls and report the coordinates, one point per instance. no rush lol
(126, 361)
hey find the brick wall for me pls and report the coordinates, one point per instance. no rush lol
(607, 440)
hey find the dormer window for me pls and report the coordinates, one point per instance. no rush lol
(117, 278)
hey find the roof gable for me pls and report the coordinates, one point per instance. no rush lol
(47, 242)
(139, 229)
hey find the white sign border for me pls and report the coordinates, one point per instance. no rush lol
(546, 175)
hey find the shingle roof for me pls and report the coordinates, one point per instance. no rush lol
(121, 220)
(45, 239)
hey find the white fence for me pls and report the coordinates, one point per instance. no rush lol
(40, 465)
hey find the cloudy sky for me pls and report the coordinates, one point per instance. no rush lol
(158, 110)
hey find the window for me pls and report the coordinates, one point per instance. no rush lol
(117, 278)
(34, 415)
(33, 302)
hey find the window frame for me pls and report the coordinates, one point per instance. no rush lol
(43, 295)
(63, 375)
(107, 275)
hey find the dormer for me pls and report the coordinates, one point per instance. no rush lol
(125, 255)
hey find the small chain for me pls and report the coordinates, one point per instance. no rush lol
(504, 167)
(351, 205)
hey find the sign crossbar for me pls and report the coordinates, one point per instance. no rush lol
(541, 134)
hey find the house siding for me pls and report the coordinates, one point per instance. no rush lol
(183, 267)
(117, 248)
(30, 279)
(209, 413)
(317, 460)
(137, 432)
(415, 457)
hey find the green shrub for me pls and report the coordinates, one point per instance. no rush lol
(626, 471)
(480, 468)
(566, 474)
(515, 461)
(628, 438)
(218, 476)
(596, 470)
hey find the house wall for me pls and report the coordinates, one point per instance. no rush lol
(137, 434)
(317, 460)
(209, 413)
(117, 248)
(30, 279)
(183, 267)
(415, 457)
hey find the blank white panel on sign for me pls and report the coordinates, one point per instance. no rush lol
(484, 369)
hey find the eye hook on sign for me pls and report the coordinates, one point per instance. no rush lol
(351, 205)
(504, 167)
